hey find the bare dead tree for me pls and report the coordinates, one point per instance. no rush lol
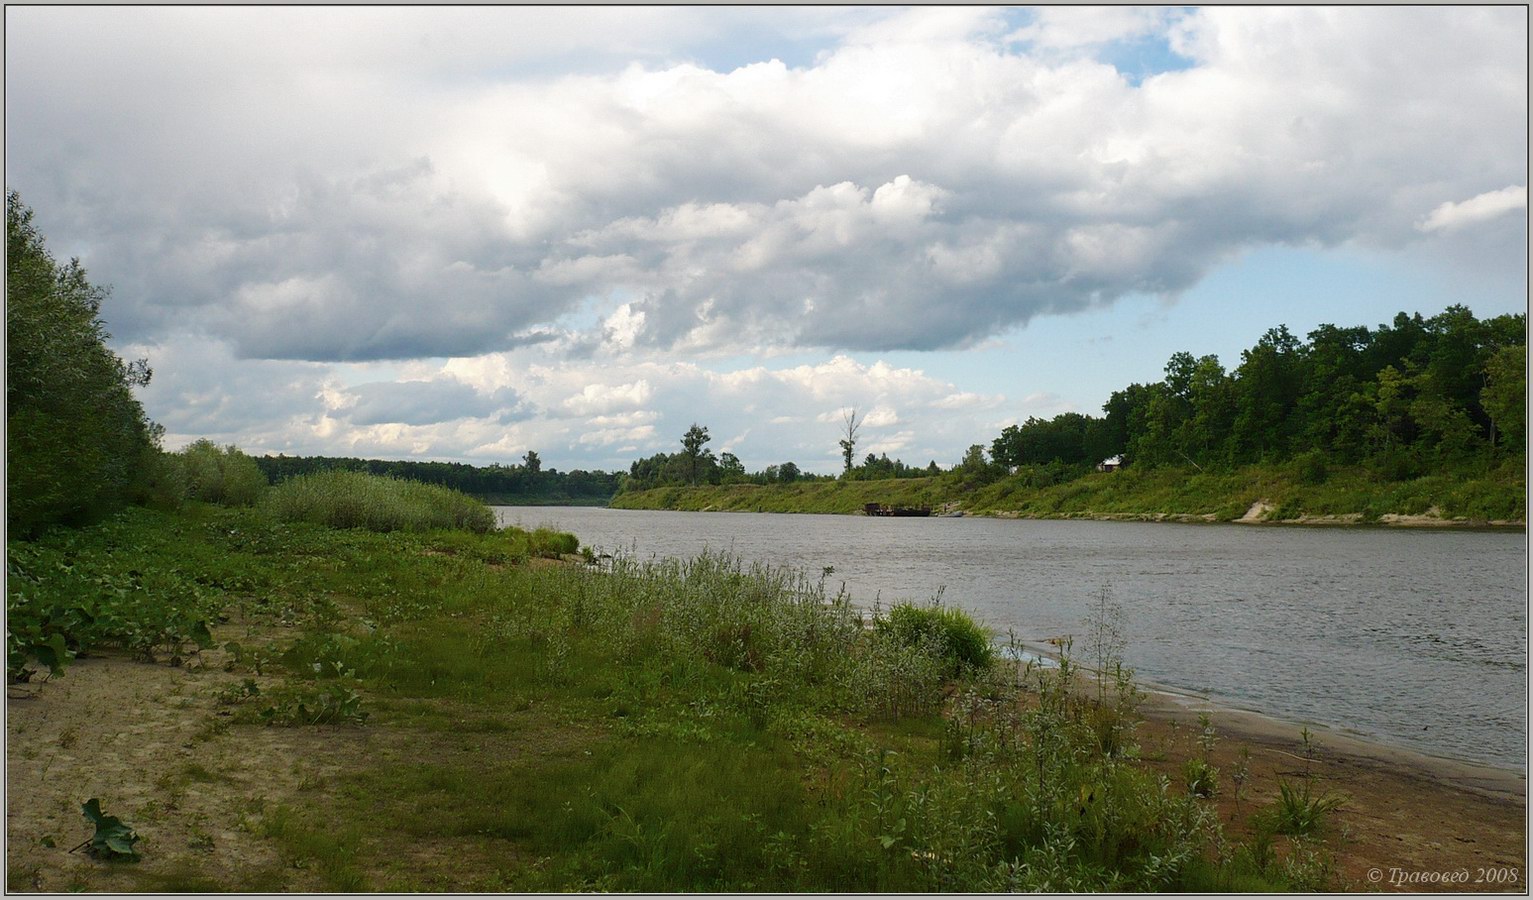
(849, 443)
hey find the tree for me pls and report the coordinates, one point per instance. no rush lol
(1267, 386)
(1505, 395)
(787, 473)
(731, 470)
(533, 462)
(849, 443)
(80, 444)
(692, 445)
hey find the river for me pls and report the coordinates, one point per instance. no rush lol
(1414, 637)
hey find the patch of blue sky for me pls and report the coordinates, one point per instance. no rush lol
(1143, 58)
(1136, 58)
(797, 37)
(588, 314)
(1075, 361)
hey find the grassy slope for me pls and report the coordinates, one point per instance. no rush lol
(1496, 495)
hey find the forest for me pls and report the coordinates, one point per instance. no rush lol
(1410, 397)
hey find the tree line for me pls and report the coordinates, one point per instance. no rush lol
(527, 482)
(1412, 396)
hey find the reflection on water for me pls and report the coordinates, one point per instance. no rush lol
(1417, 637)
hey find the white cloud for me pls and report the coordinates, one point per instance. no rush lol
(1484, 207)
(594, 399)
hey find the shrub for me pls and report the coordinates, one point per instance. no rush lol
(1311, 467)
(164, 482)
(1202, 779)
(951, 632)
(224, 476)
(377, 503)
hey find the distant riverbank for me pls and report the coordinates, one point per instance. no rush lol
(1495, 498)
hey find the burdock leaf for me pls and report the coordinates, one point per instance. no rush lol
(113, 839)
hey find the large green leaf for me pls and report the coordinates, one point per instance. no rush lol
(113, 838)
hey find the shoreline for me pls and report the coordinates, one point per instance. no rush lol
(1176, 705)
(1341, 520)
(1170, 705)
(1406, 821)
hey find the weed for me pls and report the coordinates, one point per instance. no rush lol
(1239, 775)
(1202, 778)
(334, 704)
(1297, 811)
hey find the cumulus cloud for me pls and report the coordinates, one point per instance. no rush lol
(421, 402)
(933, 177)
(1484, 207)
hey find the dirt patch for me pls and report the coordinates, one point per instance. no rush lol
(1406, 815)
(155, 746)
(1257, 513)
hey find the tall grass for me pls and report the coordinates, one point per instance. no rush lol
(359, 500)
(716, 673)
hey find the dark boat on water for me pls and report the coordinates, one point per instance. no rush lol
(879, 509)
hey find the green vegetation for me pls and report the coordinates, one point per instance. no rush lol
(115, 586)
(78, 442)
(113, 839)
(946, 633)
(220, 475)
(1407, 398)
(526, 484)
(343, 499)
(1475, 493)
(1297, 811)
(661, 726)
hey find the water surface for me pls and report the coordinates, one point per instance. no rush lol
(1417, 637)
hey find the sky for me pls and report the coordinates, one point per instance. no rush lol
(464, 233)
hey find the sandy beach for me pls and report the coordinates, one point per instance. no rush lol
(1410, 821)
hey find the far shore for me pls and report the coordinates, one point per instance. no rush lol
(1348, 520)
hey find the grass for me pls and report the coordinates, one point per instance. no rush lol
(340, 499)
(696, 725)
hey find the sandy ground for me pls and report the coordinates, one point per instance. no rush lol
(1409, 820)
(150, 742)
